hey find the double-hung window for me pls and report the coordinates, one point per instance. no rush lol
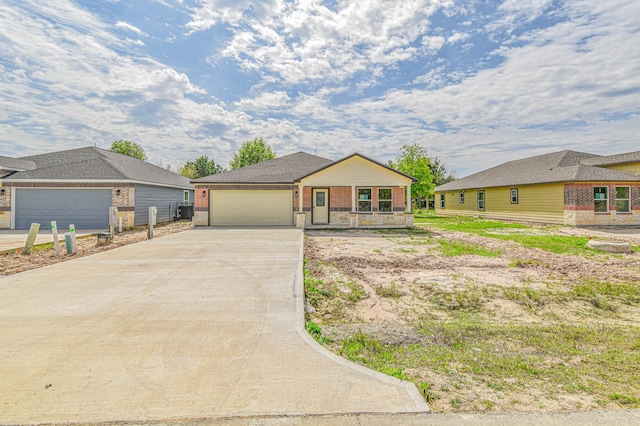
(601, 199)
(385, 201)
(461, 197)
(623, 199)
(364, 200)
(480, 200)
(186, 196)
(442, 203)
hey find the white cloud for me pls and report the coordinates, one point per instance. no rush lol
(456, 37)
(312, 42)
(126, 26)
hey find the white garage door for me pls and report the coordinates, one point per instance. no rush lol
(248, 207)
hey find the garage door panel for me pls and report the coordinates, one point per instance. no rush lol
(250, 207)
(85, 208)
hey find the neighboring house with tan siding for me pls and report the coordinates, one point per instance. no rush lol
(566, 187)
(306, 191)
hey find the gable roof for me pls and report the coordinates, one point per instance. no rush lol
(96, 164)
(288, 169)
(562, 166)
(355, 154)
(15, 164)
(284, 169)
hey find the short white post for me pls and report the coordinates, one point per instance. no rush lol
(152, 220)
(31, 238)
(120, 225)
(54, 231)
(74, 242)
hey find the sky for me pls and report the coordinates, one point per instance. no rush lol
(477, 83)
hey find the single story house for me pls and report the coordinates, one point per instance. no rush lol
(78, 186)
(566, 187)
(306, 191)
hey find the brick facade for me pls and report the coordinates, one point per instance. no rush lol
(342, 213)
(5, 207)
(579, 205)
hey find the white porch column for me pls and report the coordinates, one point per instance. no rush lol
(353, 199)
(300, 198)
(408, 197)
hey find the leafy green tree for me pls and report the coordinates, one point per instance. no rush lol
(200, 167)
(129, 148)
(252, 152)
(414, 160)
(440, 173)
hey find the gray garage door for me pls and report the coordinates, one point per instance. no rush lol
(85, 208)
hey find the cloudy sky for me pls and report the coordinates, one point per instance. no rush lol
(476, 82)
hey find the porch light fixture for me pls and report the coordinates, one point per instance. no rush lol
(295, 193)
(117, 192)
(204, 192)
(2, 191)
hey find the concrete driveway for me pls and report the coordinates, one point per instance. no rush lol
(201, 324)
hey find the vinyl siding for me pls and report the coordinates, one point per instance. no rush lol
(633, 168)
(160, 197)
(542, 203)
(356, 171)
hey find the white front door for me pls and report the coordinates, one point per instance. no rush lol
(320, 206)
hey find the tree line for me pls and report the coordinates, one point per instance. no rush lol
(413, 160)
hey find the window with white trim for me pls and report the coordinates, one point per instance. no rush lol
(364, 200)
(385, 200)
(601, 199)
(514, 195)
(623, 199)
(442, 203)
(461, 197)
(186, 196)
(480, 200)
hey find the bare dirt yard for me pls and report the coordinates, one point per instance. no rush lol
(482, 316)
(12, 262)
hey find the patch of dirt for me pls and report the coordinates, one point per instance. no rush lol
(12, 262)
(408, 282)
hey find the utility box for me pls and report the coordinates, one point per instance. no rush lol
(153, 211)
(113, 216)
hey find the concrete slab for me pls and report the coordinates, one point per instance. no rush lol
(609, 246)
(16, 238)
(200, 324)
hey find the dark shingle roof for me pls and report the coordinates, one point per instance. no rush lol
(91, 163)
(563, 166)
(15, 164)
(279, 170)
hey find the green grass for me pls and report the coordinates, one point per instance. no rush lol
(390, 291)
(315, 331)
(452, 248)
(366, 350)
(483, 227)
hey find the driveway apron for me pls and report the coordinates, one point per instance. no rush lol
(201, 324)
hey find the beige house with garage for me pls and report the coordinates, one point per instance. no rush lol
(306, 191)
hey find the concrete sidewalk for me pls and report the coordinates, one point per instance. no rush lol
(16, 238)
(201, 324)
